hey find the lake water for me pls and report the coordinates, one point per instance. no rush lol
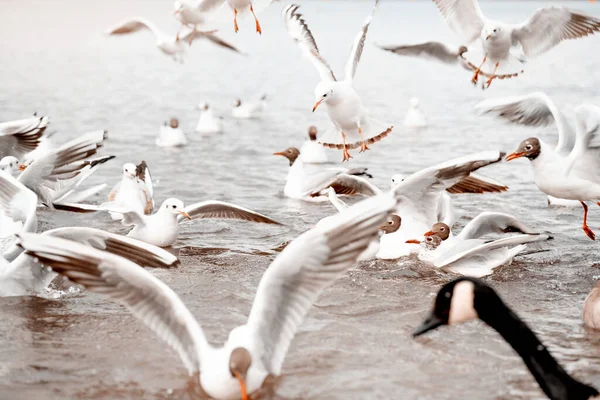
(355, 342)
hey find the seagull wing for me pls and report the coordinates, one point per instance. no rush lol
(476, 183)
(430, 50)
(308, 265)
(584, 159)
(549, 26)
(462, 16)
(535, 109)
(299, 32)
(222, 210)
(20, 137)
(147, 297)
(493, 222)
(349, 185)
(134, 25)
(358, 46)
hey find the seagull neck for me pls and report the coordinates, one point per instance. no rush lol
(556, 383)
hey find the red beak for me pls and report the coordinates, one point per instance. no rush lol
(430, 233)
(414, 241)
(22, 167)
(514, 155)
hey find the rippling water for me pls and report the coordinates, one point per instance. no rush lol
(355, 342)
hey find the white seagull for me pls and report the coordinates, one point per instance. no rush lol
(415, 118)
(171, 135)
(162, 228)
(312, 152)
(534, 109)
(207, 123)
(503, 43)
(20, 137)
(310, 183)
(353, 127)
(176, 47)
(423, 205)
(253, 355)
(573, 176)
(250, 108)
(134, 192)
(468, 254)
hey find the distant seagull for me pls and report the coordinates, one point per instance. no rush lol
(175, 47)
(502, 43)
(573, 176)
(134, 192)
(353, 127)
(171, 135)
(432, 51)
(20, 137)
(162, 228)
(207, 122)
(414, 116)
(312, 152)
(250, 108)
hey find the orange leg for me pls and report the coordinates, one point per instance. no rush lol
(363, 145)
(477, 71)
(585, 226)
(346, 153)
(489, 81)
(235, 25)
(256, 20)
(192, 35)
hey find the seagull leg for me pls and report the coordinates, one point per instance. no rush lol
(489, 81)
(346, 153)
(477, 71)
(235, 25)
(363, 145)
(585, 226)
(192, 35)
(256, 20)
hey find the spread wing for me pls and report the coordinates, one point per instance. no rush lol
(148, 298)
(586, 152)
(358, 46)
(535, 109)
(349, 185)
(139, 252)
(550, 26)
(299, 32)
(430, 50)
(20, 137)
(462, 16)
(133, 25)
(223, 210)
(493, 222)
(213, 38)
(476, 183)
(304, 269)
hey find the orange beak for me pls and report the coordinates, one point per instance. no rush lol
(317, 104)
(430, 233)
(279, 153)
(185, 214)
(488, 36)
(22, 167)
(176, 12)
(413, 241)
(514, 155)
(243, 389)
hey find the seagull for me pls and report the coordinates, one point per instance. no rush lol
(573, 176)
(171, 135)
(248, 109)
(352, 125)
(415, 117)
(310, 183)
(432, 51)
(134, 192)
(466, 299)
(426, 204)
(536, 110)
(207, 123)
(47, 173)
(69, 192)
(591, 309)
(312, 152)
(467, 254)
(162, 228)
(503, 43)
(252, 357)
(20, 137)
(172, 46)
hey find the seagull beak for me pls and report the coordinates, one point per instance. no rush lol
(22, 167)
(176, 12)
(430, 233)
(514, 155)
(243, 390)
(488, 37)
(279, 153)
(317, 104)
(185, 214)
(413, 241)
(430, 323)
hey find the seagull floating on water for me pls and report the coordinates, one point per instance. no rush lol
(171, 135)
(207, 123)
(312, 152)
(134, 192)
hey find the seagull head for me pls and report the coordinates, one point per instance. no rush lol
(396, 179)
(414, 102)
(393, 224)
(491, 31)
(430, 242)
(236, 103)
(178, 7)
(175, 207)
(11, 165)
(312, 133)
(239, 364)
(291, 153)
(462, 50)
(439, 229)
(203, 106)
(323, 93)
(529, 148)
(129, 170)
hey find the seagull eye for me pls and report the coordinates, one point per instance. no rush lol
(528, 147)
(174, 206)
